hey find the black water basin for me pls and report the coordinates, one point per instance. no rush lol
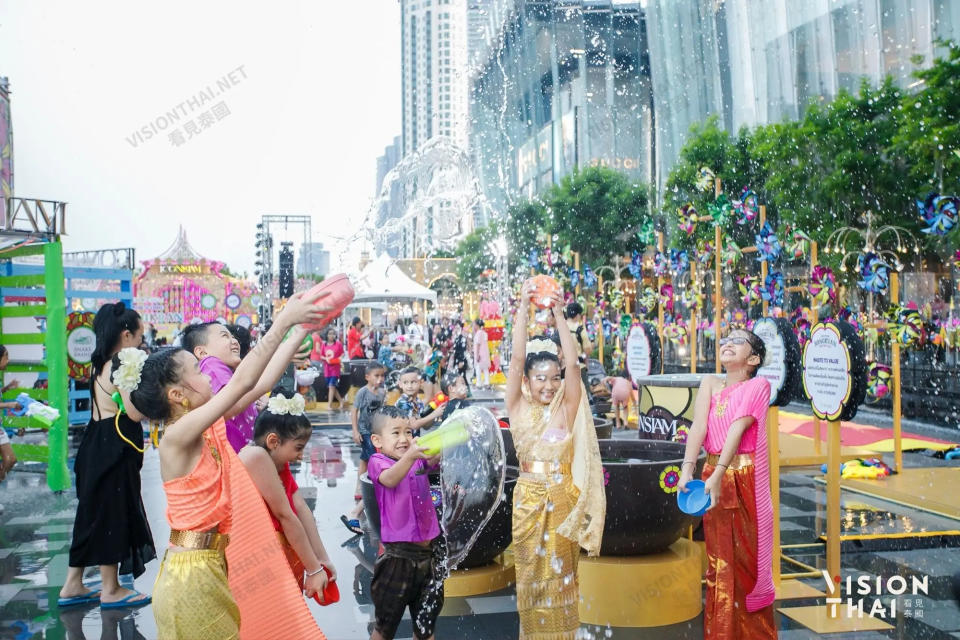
(642, 515)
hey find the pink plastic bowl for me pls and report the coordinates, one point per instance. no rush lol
(341, 294)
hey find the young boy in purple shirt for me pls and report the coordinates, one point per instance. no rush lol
(408, 574)
(219, 354)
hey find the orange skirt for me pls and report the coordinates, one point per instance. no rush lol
(730, 532)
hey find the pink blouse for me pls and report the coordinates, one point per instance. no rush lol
(749, 398)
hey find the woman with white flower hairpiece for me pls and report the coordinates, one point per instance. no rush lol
(110, 529)
(559, 502)
(280, 434)
(216, 515)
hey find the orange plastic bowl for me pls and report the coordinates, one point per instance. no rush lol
(545, 288)
(341, 295)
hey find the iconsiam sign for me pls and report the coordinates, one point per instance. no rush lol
(180, 286)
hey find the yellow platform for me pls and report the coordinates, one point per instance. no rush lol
(930, 489)
(816, 619)
(798, 451)
(642, 591)
(481, 580)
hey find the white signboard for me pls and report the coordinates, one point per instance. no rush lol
(638, 353)
(826, 372)
(80, 344)
(776, 371)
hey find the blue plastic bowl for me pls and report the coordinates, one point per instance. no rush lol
(694, 501)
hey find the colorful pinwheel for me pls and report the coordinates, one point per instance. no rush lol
(822, 286)
(661, 264)
(666, 297)
(956, 259)
(647, 301)
(679, 261)
(589, 277)
(739, 319)
(688, 219)
(768, 246)
(801, 324)
(905, 325)
(647, 235)
(691, 299)
(616, 299)
(878, 380)
(720, 210)
(939, 213)
(731, 255)
(874, 273)
(626, 321)
(533, 260)
(636, 265)
(574, 276)
(799, 244)
(747, 207)
(704, 252)
(749, 289)
(675, 333)
(773, 289)
(705, 179)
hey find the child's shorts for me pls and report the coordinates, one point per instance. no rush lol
(333, 381)
(366, 447)
(408, 575)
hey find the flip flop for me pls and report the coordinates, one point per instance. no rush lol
(352, 525)
(128, 602)
(90, 598)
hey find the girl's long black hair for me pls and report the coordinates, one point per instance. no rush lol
(111, 320)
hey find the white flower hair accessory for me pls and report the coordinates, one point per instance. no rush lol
(281, 405)
(542, 345)
(127, 376)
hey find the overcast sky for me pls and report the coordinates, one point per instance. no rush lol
(312, 96)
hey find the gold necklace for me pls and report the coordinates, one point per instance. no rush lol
(721, 406)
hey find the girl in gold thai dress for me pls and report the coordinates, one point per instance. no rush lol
(559, 503)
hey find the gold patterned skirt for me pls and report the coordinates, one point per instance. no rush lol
(192, 599)
(548, 596)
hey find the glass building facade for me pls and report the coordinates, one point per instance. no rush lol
(754, 62)
(564, 85)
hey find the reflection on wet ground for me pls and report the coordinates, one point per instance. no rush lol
(35, 529)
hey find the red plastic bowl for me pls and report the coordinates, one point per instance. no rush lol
(331, 593)
(341, 295)
(545, 287)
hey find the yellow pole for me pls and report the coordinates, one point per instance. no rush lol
(717, 295)
(717, 281)
(773, 448)
(765, 306)
(600, 328)
(576, 265)
(833, 508)
(693, 318)
(895, 377)
(814, 315)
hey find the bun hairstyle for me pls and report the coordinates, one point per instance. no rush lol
(286, 426)
(159, 372)
(541, 349)
(110, 322)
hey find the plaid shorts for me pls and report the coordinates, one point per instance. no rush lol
(408, 575)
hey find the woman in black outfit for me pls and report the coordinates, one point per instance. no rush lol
(110, 529)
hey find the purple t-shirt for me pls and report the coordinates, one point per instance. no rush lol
(406, 511)
(240, 426)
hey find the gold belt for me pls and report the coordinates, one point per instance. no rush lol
(738, 461)
(543, 467)
(199, 540)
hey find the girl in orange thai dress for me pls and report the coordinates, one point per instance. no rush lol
(210, 498)
(730, 421)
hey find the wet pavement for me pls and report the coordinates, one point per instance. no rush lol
(35, 529)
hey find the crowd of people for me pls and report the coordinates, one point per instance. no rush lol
(231, 428)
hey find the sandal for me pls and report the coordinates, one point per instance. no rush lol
(352, 525)
(90, 598)
(135, 599)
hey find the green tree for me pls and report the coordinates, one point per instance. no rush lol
(597, 212)
(475, 254)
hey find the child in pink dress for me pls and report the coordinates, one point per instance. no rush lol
(730, 421)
